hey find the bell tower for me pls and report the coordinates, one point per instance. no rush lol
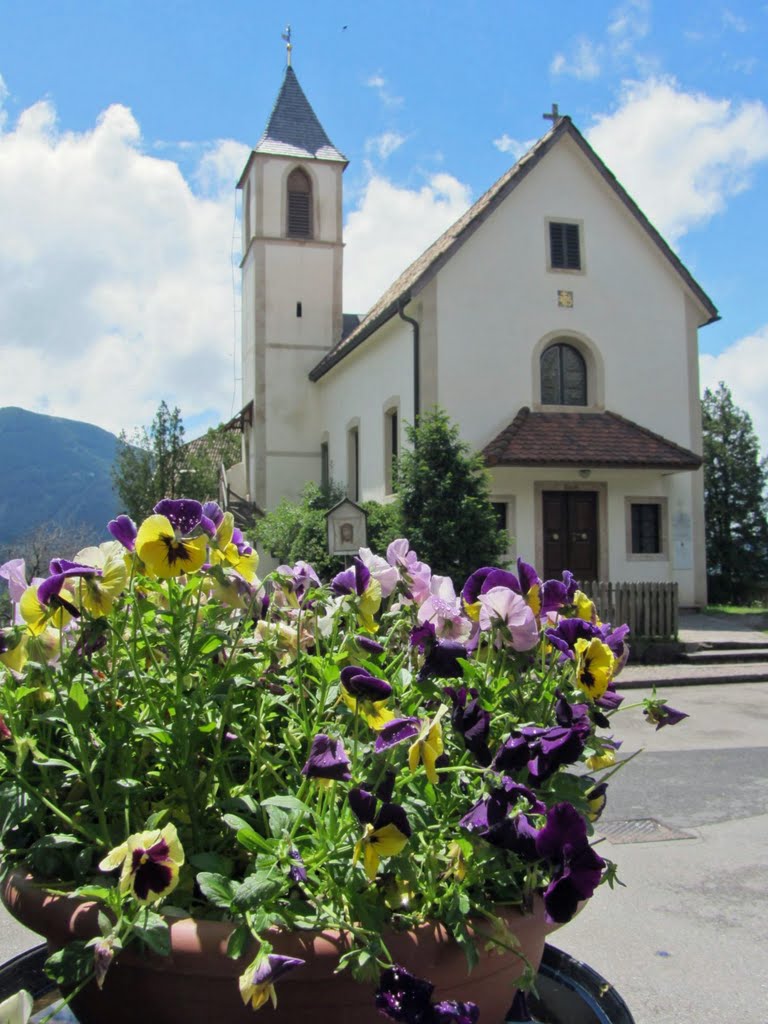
(291, 291)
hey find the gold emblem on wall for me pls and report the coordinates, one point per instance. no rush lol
(565, 299)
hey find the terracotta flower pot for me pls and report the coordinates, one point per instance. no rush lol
(198, 982)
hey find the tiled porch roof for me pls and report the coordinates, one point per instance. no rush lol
(584, 439)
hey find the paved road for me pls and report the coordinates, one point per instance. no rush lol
(685, 940)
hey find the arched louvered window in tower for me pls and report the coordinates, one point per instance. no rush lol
(299, 205)
(563, 376)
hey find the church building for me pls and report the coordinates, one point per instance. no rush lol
(551, 322)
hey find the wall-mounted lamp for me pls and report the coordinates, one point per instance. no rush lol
(585, 474)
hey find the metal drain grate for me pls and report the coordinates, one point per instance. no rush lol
(640, 830)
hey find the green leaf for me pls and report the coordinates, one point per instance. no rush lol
(128, 783)
(288, 803)
(238, 940)
(211, 644)
(78, 696)
(154, 932)
(250, 840)
(71, 965)
(256, 890)
(155, 820)
(214, 862)
(218, 889)
(209, 727)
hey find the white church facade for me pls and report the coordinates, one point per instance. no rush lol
(551, 322)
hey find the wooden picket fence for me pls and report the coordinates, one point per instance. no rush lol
(649, 609)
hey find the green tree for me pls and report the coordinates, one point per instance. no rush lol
(154, 463)
(734, 498)
(444, 493)
(299, 531)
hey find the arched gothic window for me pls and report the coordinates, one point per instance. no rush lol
(299, 205)
(563, 376)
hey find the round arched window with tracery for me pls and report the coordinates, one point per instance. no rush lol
(563, 375)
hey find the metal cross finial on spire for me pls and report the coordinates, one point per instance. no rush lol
(554, 116)
(288, 44)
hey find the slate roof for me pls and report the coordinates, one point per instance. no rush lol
(422, 270)
(584, 439)
(293, 128)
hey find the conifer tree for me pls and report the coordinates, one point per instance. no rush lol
(444, 493)
(735, 500)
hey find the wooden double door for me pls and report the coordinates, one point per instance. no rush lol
(570, 533)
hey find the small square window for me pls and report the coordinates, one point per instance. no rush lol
(646, 529)
(564, 246)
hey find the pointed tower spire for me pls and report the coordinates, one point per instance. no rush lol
(293, 128)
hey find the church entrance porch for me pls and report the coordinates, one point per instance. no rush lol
(570, 533)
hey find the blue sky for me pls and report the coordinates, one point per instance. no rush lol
(123, 128)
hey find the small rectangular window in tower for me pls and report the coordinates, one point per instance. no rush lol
(353, 464)
(298, 309)
(564, 246)
(325, 466)
(391, 449)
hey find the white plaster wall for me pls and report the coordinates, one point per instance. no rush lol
(300, 272)
(497, 300)
(357, 390)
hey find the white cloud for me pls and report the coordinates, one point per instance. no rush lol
(380, 84)
(390, 228)
(384, 145)
(743, 366)
(115, 277)
(629, 25)
(681, 155)
(734, 21)
(506, 144)
(584, 64)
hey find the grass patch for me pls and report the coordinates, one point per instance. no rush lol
(734, 609)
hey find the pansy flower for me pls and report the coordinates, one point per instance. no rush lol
(52, 602)
(471, 721)
(164, 542)
(511, 619)
(386, 831)
(358, 580)
(96, 593)
(13, 649)
(327, 761)
(257, 982)
(397, 731)
(124, 530)
(595, 665)
(404, 998)
(444, 610)
(366, 695)
(228, 545)
(150, 864)
(443, 659)
(577, 868)
(662, 714)
(428, 746)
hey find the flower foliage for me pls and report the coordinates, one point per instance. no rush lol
(365, 755)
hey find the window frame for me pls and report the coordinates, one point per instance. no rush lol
(353, 461)
(565, 222)
(298, 173)
(392, 444)
(561, 344)
(662, 555)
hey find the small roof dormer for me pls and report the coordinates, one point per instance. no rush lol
(293, 128)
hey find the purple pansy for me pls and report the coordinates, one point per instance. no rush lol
(663, 714)
(369, 645)
(471, 721)
(404, 998)
(362, 685)
(327, 760)
(442, 660)
(354, 580)
(577, 868)
(396, 731)
(124, 530)
(184, 514)
(423, 636)
(296, 871)
(62, 569)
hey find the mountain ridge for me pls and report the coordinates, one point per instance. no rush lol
(54, 470)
